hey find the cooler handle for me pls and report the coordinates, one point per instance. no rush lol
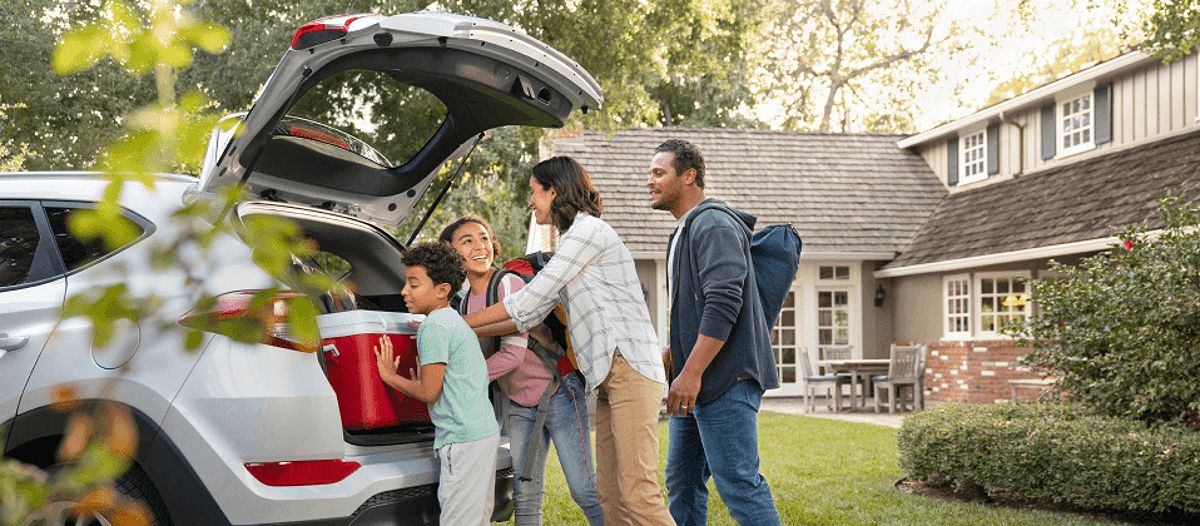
(331, 348)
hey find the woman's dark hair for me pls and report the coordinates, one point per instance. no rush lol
(447, 235)
(573, 188)
(440, 261)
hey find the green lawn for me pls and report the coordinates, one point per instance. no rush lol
(825, 472)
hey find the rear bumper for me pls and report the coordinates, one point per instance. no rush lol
(414, 507)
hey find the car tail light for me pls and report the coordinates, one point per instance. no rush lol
(238, 314)
(318, 135)
(323, 30)
(303, 472)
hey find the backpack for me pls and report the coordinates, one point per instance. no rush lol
(560, 360)
(775, 256)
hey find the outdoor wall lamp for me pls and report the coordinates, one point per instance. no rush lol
(880, 294)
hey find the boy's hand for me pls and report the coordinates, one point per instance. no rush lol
(415, 374)
(385, 358)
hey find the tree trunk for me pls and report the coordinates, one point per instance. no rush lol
(834, 86)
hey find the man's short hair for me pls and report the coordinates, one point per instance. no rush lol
(441, 262)
(687, 155)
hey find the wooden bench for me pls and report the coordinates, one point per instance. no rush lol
(1041, 385)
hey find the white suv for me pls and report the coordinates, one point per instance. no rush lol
(251, 433)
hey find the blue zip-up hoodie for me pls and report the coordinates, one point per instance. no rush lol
(715, 296)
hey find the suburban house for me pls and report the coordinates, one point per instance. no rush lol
(931, 238)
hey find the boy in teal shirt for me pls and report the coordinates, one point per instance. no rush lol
(453, 380)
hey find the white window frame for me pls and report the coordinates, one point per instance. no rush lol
(948, 333)
(851, 313)
(1060, 135)
(836, 280)
(963, 163)
(977, 297)
(792, 388)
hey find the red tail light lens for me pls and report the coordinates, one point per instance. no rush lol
(323, 30)
(319, 136)
(247, 316)
(302, 473)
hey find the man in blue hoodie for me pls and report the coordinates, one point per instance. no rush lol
(720, 352)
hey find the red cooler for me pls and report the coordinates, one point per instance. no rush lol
(348, 340)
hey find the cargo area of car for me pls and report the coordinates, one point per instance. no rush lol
(369, 259)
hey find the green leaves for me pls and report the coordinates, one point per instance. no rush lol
(302, 319)
(80, 50)
(104, 307)
(212, 38)
(1050, 453)
(1121, 329)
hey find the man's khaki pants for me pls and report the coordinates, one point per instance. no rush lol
(627, 405)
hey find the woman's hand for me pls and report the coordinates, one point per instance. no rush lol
(386, 359)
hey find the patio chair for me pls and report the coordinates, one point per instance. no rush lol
(831, 382)
(904, 370)
(843, 352)
(835, 352)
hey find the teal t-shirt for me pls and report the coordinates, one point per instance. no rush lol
(463, 413)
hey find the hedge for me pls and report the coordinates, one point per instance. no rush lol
(1054, 454)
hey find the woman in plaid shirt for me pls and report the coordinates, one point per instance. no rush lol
(593, 276)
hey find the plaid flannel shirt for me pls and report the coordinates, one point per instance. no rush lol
(593, 275)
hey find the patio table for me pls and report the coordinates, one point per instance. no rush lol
(856, 368)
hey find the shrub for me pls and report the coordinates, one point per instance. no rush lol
(1054, 454)
(1121, 329)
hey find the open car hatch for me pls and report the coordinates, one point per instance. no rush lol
(362, 111)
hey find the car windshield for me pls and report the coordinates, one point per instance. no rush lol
(368, 113)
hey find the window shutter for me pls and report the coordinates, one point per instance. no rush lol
(1049, 132)
(993, 149)
(1102, 102)
(952, 161)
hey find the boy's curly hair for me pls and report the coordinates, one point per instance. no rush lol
(441, 262)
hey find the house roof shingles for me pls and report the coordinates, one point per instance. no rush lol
(1085, 200)
(844, 193)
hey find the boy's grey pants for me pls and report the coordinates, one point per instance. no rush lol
(467, 484)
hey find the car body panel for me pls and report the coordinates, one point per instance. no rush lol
(32, 313)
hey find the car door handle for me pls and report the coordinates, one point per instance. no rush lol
(12, 343)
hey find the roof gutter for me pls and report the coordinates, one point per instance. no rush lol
(806, 255)
(1065, 249)
(1104, 69)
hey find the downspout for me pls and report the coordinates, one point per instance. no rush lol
(1020, 144)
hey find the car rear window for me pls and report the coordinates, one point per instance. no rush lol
(76, 253)
(393, 119)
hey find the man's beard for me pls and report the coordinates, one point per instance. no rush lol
(660, 204)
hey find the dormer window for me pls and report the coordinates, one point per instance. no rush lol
(973, 158)
(1075, 125)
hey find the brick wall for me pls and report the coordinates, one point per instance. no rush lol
(975, 371)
